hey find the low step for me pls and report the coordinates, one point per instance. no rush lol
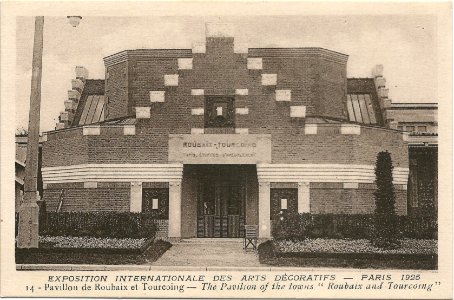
(213, 240)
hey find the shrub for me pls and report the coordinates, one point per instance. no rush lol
(385, 218)
(266, 252)
(289, 225)
(98, 224)
(342, 226)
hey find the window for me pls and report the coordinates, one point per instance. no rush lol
(219, 112)
(410, 128)
(283, 199)
(283, 203)
(401, 128)
(154, 203)
(360, 108)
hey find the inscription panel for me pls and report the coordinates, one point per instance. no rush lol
(220, 148)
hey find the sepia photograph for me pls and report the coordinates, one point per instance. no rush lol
(266, 150)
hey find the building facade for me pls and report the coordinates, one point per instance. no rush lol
(222, 135)
(420, 121)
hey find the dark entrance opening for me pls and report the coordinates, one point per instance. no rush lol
(221, 199)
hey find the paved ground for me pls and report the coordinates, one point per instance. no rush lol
(209, 252)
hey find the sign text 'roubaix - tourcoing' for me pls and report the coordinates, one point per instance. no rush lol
(220, 148)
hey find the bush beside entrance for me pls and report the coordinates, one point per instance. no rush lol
(294, 226)
(95, 238)
(98, 224)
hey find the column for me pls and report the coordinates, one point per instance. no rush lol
(136, 197)
(264, 210)
(175, 209)
(28, 231)
(304, 197)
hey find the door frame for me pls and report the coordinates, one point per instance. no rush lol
(216, 224)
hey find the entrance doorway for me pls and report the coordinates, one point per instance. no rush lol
(221, 201)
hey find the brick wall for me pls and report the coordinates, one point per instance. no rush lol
(331, 198)
(117, 91)
(315, 81)
(316, 78)
(107, 197)
(289, 145)
(162, 229)
(65, 148)
(329, 146)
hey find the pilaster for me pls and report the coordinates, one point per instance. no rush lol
(304, 198)
(136, 197)
(175, 209)
(264, 210)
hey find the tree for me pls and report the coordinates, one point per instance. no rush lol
(385, 218)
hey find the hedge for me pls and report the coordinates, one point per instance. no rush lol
(268, 256)
(98, 224)
(301, 226)
(293, 226)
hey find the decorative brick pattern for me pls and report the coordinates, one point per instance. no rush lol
(70, 105)
(241, 92)
(383, 93)
(350, 129)
(380, 82)
(143, 112)
(184, 63)
(129, 130)
(283, 95)
(378, 71)
(242, 110)
(157, 96)
(171, 80)
(64, 116)
(242, 130)
(92, 130)
(316, 80)
(310, 128)
(240, 48)
(298, 111)
(77, 84)
(197, 111)
(197, 92)
(81, 72)
(254, 63)
(198, 47)
(315, 85)
(269, 79)
(74, 95)
(197, 130)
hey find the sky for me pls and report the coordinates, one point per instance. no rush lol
(405, 44)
